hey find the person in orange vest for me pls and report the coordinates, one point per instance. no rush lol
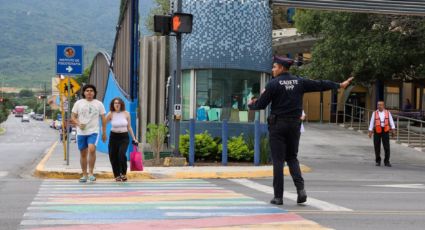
(381, 124)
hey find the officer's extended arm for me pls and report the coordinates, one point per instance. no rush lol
(323, 85)
(263, 101)
(319, 85)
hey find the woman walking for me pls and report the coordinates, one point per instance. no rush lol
(118, 138)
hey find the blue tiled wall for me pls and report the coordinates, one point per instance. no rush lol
(228, 34)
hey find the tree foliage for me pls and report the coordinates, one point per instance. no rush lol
(367, 46)
(162, 7)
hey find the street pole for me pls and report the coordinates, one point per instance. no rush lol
(177, 98)
(68, 117)
(2, 87)
(44, 101)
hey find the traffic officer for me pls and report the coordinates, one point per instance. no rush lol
(381, 123)
(285, 92)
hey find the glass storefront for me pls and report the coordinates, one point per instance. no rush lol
(219, 94)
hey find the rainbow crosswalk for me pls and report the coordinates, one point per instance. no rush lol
(152, 204)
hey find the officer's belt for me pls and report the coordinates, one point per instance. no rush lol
(288, 119)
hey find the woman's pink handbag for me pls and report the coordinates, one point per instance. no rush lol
(136, 161)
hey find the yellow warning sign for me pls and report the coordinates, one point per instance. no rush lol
(63, 86)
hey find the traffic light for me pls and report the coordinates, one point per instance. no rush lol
(41, 96)
(161, 24)
(181, 23)
(1, 100)
(177, 23)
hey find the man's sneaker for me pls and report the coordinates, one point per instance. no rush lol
(83, 179)
(277, 201)
(302, 196)
(92, 178)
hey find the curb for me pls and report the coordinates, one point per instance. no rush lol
(42, 173)
(184, 173)
(235, 174)
(3, 131)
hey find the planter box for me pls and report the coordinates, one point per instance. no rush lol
(149, 155)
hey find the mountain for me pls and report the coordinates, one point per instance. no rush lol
(30, 30)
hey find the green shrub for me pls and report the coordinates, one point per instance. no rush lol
(155, 137)
(264, 147)
(205, 146)
(238, 149)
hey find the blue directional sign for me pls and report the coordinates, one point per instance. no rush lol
(69, 59)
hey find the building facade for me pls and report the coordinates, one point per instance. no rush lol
(226, 60)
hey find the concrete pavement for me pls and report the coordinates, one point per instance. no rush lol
(53, 165)
(325, 135)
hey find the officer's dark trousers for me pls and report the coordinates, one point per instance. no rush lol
(118, 143)
(385, 137)
(284, 139)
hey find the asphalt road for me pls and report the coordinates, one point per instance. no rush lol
(346, 190)
(21, 147)
(358, 194)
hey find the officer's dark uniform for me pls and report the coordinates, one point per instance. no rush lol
(285, 92)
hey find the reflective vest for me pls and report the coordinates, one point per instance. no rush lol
(378, 128)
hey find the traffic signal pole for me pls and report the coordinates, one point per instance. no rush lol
(44, 101)
(177, 83)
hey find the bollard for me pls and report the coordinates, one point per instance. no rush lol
(421, 135)
(398, 129)
(224, 134)
(408, 132)
(257, 143)
(192, 142)
(360, 118)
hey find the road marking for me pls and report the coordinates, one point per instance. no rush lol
(414, 186)
(63, 203)
(3, 174)
(319, 204)
(361, 212)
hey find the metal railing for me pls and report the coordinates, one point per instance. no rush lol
(408, 130)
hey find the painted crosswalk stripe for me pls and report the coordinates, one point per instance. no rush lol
(64, 203)
(319, 204)
(183, 204)
(413, 186)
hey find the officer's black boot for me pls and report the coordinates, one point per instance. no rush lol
(277, 201)
(302, 196)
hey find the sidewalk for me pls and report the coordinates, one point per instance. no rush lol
(320, 142)
(54, 166)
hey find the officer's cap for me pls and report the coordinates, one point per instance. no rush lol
(286, 62)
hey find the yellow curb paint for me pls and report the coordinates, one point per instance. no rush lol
(42, 173)
(39, 170)
(100, 175)
(228, 175)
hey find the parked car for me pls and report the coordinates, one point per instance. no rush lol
(25, 118)
(39, 117)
